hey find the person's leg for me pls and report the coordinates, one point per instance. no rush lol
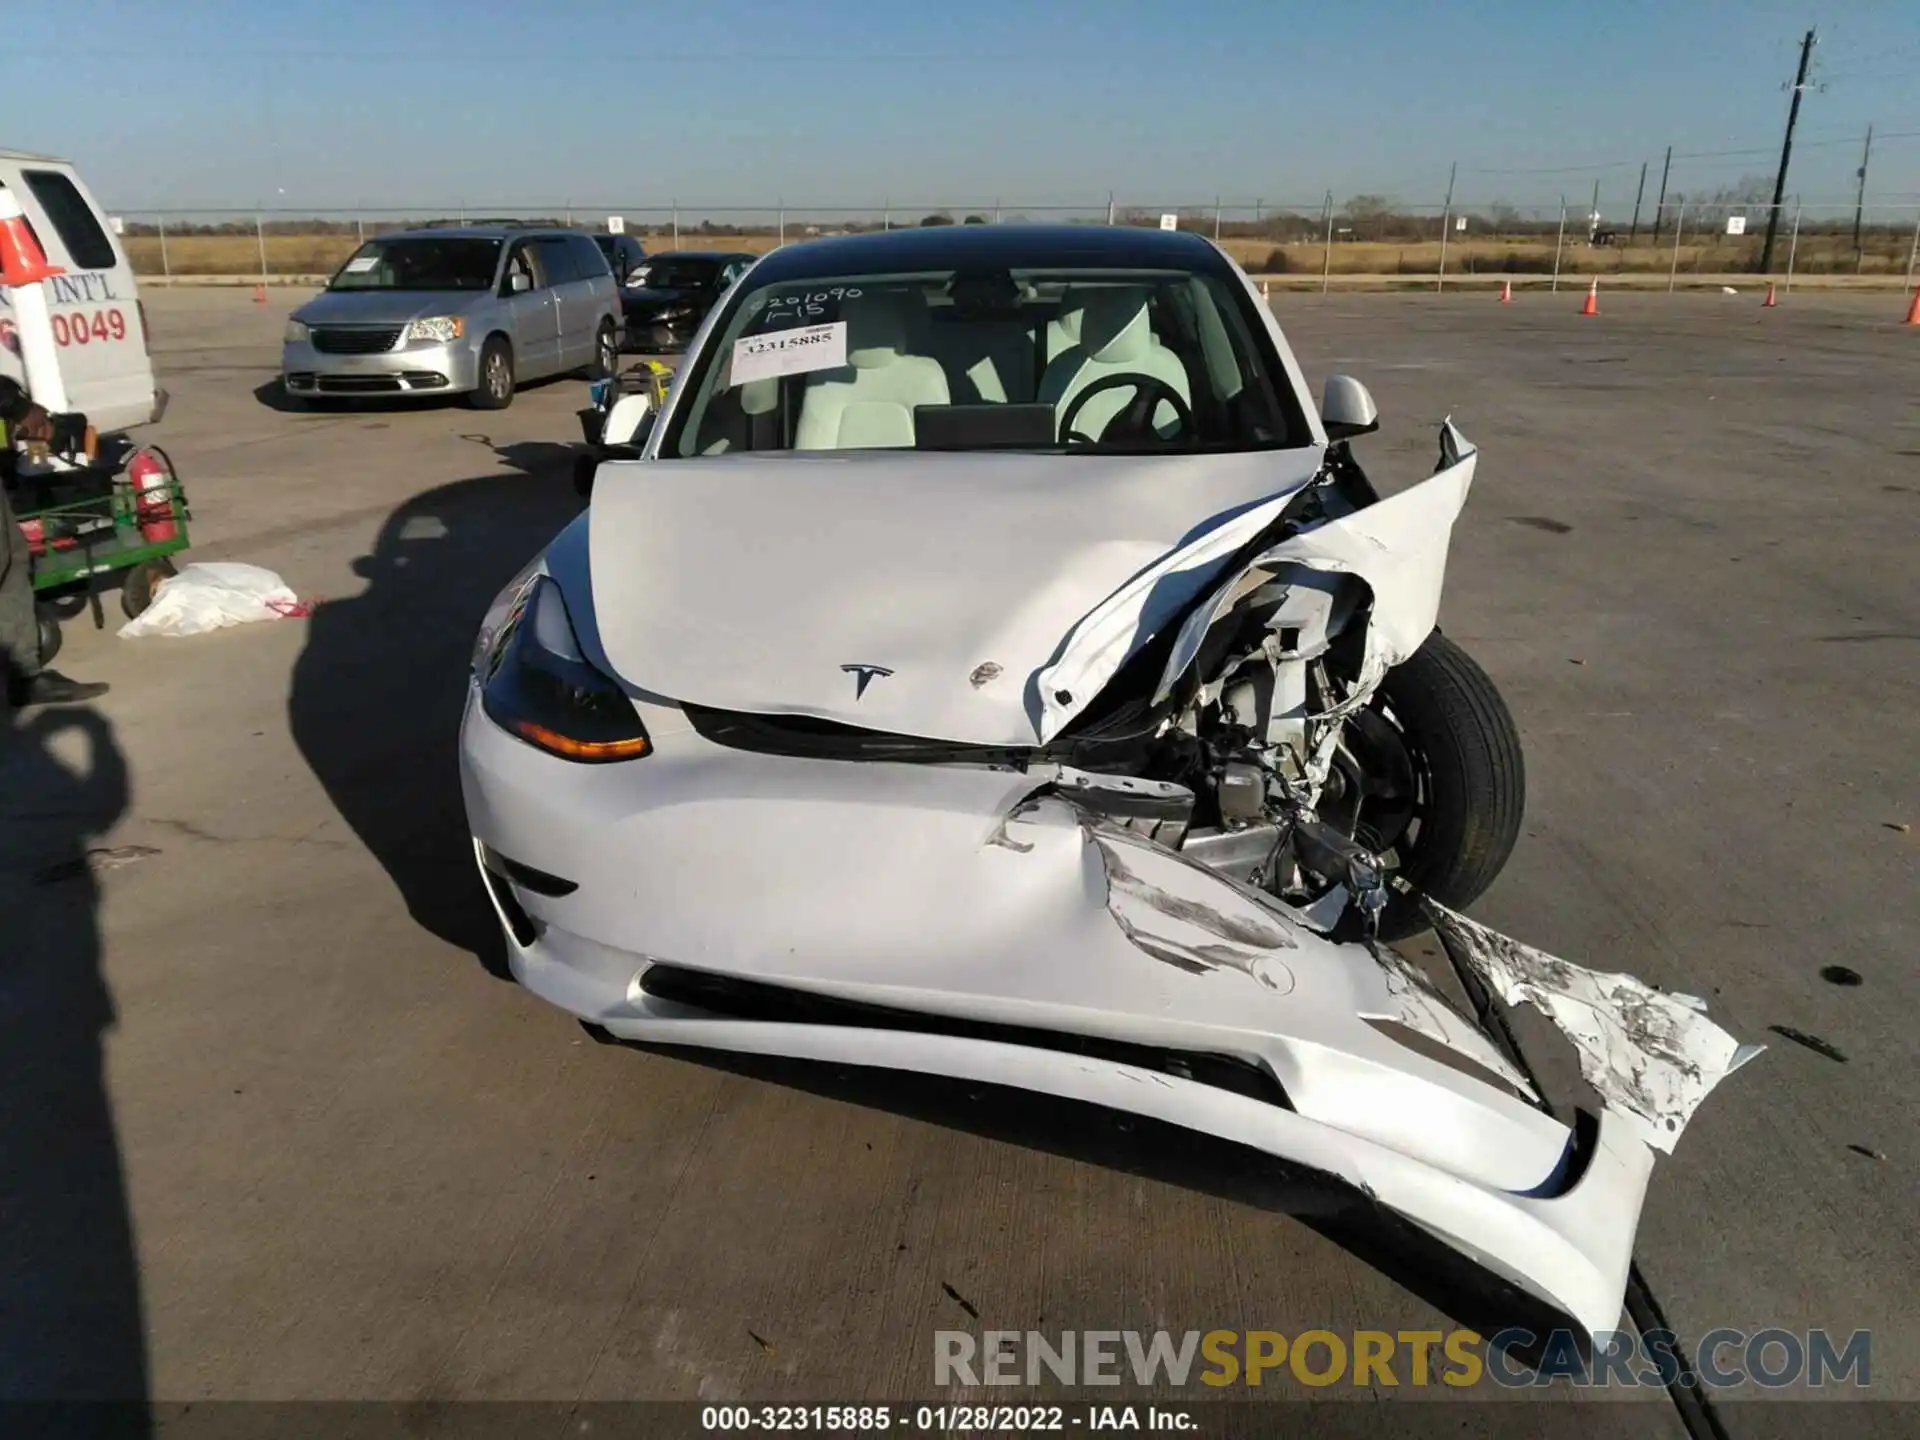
(19, 631)
(21, 678)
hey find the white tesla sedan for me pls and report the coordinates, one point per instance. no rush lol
(993, 666)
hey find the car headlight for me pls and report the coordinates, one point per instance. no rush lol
(541, 689)
(437, 327)
(296, 332)
(503, 611)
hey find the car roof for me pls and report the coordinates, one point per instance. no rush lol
(1023, 247)
(36, 159)
(476, 232)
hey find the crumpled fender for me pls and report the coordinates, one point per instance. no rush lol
(1097, 646)
(1398, 547)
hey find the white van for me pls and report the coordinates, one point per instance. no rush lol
(99, 326)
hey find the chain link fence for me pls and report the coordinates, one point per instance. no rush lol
(1360, 239)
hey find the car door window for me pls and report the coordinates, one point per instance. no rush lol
(590, 262)
(556, 260)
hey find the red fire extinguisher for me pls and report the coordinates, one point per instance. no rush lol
(152, 481)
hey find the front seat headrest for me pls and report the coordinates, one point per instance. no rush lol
(1114, 328)
(877, 326)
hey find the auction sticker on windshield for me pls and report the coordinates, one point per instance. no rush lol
(789, 352)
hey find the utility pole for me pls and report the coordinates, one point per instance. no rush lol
(1446, 219)
(1593, 213)
(1638, 196)
(1660, 205)
(1860, 198)
(1786, 153)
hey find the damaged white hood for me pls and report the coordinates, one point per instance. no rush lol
(921, 594)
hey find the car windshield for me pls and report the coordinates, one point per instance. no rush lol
(1067, 360)
(677, 274)
(423, 262)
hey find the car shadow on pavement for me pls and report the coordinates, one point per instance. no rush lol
(275, 397)
(377, 692)
(1171, 1155)
(532, 457)
(72, 1341)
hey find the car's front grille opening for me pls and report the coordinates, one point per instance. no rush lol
(353, 339)
(808, 737)
(757, 1000)
(360, 384)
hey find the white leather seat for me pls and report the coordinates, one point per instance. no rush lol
(1116, 338)
(747, 419)
(1063, 331)
(869, 402)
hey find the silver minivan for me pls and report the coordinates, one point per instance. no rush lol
(469, 311)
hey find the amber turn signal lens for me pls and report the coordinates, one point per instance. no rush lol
(580, 749)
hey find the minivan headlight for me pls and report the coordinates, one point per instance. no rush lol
(296, 332)
(437, 327)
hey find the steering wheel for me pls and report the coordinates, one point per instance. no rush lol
(1137, 418)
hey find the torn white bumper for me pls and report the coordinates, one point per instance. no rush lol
(951, 896)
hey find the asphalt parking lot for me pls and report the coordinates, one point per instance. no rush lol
(295, 1137)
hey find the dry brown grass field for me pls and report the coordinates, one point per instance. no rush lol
(315, 255)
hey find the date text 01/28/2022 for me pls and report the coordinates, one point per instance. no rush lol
(941, 1419)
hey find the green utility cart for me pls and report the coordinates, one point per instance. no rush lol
(84, 520)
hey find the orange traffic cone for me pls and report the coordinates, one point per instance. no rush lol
(259, 294)
(1769, 303)
(22, 261)
(1592, 306)
(1913, 310)
(1506, 292)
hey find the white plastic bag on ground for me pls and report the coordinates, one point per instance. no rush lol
(211, 596)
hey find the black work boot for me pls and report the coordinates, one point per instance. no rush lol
(50, 687)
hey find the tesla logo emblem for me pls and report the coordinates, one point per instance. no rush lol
(863, 676)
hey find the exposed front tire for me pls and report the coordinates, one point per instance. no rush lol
(495, 388)
(1430, 775)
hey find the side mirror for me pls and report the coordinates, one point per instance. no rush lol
(519, 282)
(1347, 410)
(628, 421)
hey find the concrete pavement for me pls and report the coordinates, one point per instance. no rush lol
(359, 1164)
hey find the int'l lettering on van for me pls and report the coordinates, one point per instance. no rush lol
(81, 289)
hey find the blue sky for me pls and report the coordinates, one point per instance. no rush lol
(203, 103)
